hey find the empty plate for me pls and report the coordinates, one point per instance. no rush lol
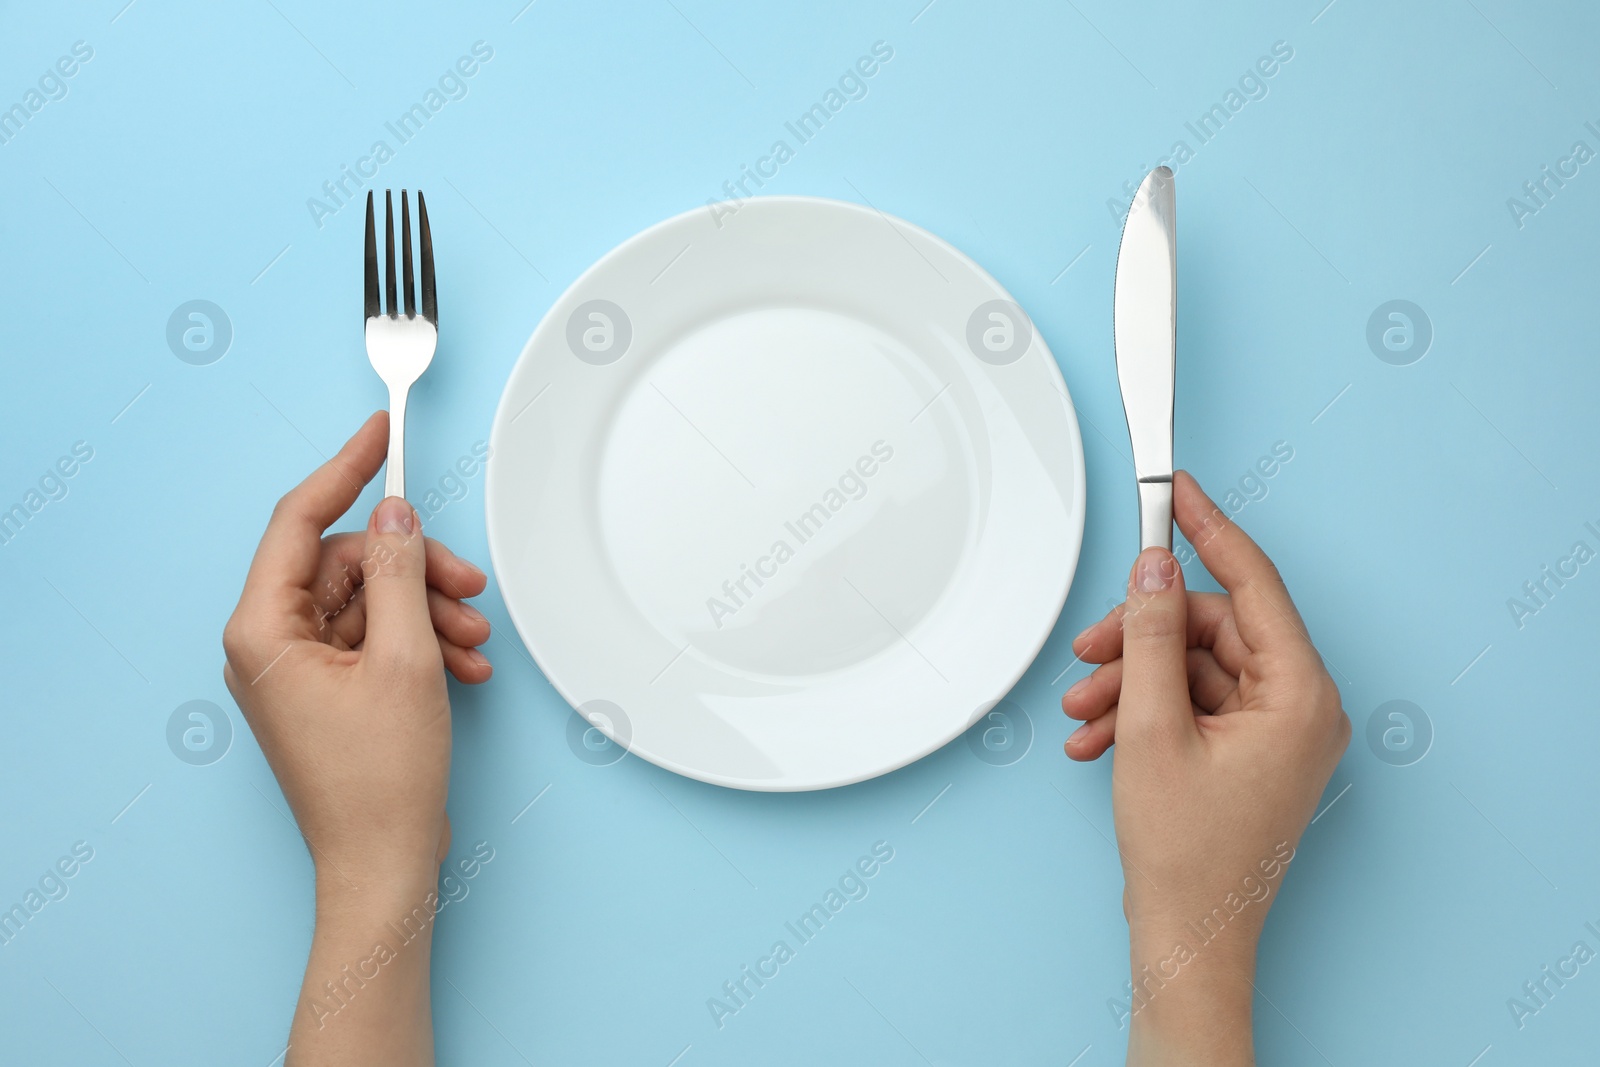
(785, 496)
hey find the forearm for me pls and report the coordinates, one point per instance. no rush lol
(365, 998)
(1191, 1001)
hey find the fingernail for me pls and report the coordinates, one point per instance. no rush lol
(1153, 572)
(395, 516)
(473, 613)
(474, 568)
(478, 658)
(1079, 686)
(1079, 735)
(1084, 634)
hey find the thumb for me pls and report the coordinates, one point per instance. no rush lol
(393, 572)
(1155, 676)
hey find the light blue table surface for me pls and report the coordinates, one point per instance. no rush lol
(1380, 161)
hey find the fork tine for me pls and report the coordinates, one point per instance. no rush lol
(410, 284)
(430, 297)
(372, 307)
(388, 232)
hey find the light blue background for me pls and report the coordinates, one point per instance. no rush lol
(1377, 167)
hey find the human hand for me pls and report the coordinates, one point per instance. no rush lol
(336, 655)
(1227, 729)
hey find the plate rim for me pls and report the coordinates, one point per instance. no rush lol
(1074, 550)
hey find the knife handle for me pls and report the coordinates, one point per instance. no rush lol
(1155, 514)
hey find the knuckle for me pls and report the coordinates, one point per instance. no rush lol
(1336, 714)
(1152, 737)
(235, 638)
(385, 663)
(285, 506)
(1344, 731)
(402, 660)
(1212, 524)
(1154, 622)
(1299, 664)
(1135, 730)
(1326, 699)
(394, 558)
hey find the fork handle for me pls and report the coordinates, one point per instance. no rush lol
(394, 478)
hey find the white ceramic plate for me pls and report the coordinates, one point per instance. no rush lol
(784, 499)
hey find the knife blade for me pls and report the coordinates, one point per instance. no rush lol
(1144, 325)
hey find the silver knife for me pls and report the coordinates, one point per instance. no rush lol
(1145, 318)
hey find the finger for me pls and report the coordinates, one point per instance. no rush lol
(1094, 694)
(1210, 626)
(1090, 741)
(1155, 681)
(291, 547)
(1230, 704)
(394, 583)
(450, 574)
(1101, 641)
(1263, 612)
(338, 582)
(339, 572)
(1210, 684)
(467, 665)
(459, 623)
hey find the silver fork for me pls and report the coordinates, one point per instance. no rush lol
(400, 346)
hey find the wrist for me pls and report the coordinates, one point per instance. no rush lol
(373, 890)
(1169, 946)
(1191, 998)
(372, 866)
(368, 968)
(376, 925)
